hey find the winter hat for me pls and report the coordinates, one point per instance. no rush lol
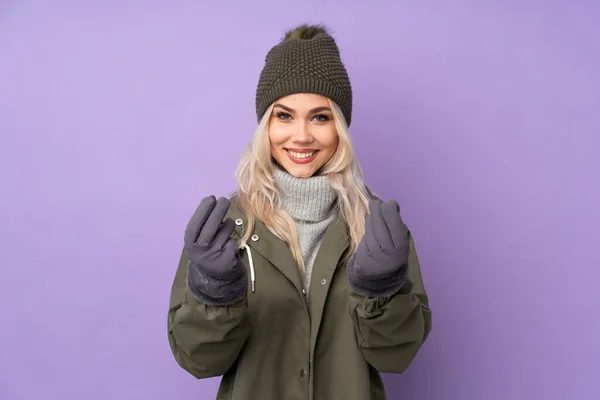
(307, 60)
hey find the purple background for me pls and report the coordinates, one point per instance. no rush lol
(481, 118)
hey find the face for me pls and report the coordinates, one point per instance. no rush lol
(302, 133)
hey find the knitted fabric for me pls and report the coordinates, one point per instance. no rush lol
(310, 202)
(299, 65)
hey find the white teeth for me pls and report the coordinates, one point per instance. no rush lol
(301, 155)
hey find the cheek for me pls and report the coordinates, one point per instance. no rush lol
(277, 135)
(330, 141)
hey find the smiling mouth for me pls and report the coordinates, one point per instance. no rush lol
(301, 154)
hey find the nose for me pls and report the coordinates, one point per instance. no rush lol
(302, 134)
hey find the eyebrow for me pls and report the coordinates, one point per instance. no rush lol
(314, 110)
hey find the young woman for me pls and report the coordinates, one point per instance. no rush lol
(303, 285)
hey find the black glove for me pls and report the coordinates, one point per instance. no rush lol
(380, 265)
(216, 273)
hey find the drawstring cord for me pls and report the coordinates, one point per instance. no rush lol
(252, 276)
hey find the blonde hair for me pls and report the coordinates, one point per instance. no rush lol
(259, 197)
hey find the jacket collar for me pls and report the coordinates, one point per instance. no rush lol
(263, 241)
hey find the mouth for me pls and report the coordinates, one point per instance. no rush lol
(301, 156)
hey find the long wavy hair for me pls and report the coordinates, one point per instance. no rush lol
(259, 197)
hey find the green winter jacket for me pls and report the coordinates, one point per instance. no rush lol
(272, 345)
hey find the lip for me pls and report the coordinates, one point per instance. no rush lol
(301, 160)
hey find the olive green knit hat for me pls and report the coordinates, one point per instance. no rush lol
(307, 60)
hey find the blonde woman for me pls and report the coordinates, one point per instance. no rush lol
(303, 285)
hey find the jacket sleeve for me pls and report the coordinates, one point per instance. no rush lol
(390, 330)
(205, 340)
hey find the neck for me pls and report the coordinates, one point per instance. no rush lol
(305, 199)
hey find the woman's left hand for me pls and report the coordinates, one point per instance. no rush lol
(384, 248)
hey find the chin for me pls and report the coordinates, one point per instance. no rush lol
(300, 171)
(303, 174)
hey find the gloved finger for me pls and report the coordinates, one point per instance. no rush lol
(198, 220)
(397, 228)
(370, 240)
(362, 264)
(232, 251)
(213, 223)
(355, 258)
(224, 233)
(380, 229)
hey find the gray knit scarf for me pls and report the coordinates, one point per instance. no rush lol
(310, 202)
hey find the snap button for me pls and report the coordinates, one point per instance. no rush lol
(303, 291)
(323, 281)
(254, 238)
(303, 373)
(239, 222)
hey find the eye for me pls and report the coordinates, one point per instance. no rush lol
(283, 115)
(321, 118)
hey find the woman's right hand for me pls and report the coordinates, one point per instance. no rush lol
(208, 244)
